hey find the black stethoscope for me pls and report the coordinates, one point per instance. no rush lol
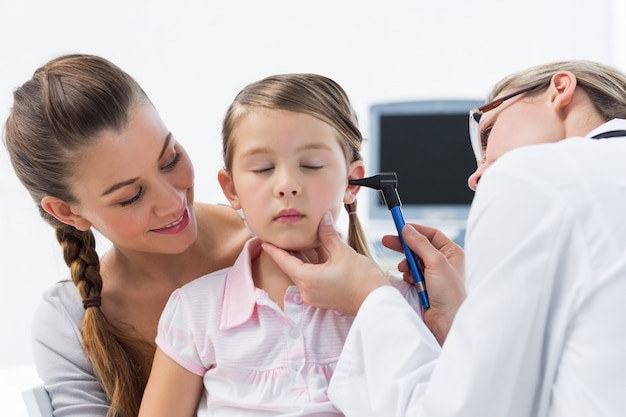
(610, 134)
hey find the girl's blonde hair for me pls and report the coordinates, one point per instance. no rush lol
(311, 94)
(56, 117)
(605, 86)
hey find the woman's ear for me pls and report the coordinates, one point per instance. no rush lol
(356, 170)
(228, 188)
(562, 88)
(64, 213)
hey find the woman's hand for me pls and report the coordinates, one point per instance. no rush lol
(343, 278)
(443, 262)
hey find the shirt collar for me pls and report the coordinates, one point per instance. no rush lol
(615, 124)
(240, 294)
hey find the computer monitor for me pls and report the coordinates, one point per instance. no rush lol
(427, 144)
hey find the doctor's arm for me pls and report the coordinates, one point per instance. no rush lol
(491, 362)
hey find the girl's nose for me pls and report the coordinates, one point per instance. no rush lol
(287, 185)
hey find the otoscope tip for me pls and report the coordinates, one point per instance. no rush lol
(378, 181)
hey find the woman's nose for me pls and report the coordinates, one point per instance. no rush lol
(473, 179)
(168, 199)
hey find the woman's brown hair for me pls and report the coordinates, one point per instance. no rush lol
(56, 117)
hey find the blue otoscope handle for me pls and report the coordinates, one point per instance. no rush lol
(418, 277)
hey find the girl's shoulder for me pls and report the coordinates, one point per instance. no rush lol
(407, 290)
(398, 283)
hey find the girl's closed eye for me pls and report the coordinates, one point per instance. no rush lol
(262, 170)
(314, 162)
(312, 166)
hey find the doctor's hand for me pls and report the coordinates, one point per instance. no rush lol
(443, 262)
(343, 278)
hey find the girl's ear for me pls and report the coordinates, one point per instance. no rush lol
(64, 213)
(356, 170)
(228, 188)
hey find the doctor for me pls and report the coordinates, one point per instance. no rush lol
(541, 331)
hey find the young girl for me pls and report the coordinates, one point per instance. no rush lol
(291, 144)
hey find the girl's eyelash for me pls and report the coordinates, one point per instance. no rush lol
(264, 170)
(133, 199)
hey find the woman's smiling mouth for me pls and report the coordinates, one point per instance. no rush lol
(176, 226)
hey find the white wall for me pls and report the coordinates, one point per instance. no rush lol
(192, 57)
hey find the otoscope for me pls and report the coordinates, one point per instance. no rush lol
(386, 183)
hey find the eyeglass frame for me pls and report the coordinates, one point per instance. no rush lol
(474, 119)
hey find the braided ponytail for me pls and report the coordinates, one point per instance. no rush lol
(55, 118)
(118, 360)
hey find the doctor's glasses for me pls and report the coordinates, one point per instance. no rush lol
(479, 143)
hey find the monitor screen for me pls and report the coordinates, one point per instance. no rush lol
(427, 144)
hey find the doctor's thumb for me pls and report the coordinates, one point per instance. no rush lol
(327, 226)
(326, 231)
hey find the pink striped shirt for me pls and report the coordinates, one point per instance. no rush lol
(255, 359)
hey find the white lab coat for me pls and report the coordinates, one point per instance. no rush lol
(542, 331)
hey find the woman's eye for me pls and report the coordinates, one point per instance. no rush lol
(133, 199)
(173, 163)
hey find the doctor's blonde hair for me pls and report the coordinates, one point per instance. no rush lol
(605, 86)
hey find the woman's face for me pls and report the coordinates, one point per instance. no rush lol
(135, 187)
(519, 121)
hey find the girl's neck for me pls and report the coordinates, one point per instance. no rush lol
(270, 278)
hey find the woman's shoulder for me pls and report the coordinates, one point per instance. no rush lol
(222, 211)
(63, 298)
(58, 354)
(220, 218)
(223, 231)
(56, 328)
(60, 311)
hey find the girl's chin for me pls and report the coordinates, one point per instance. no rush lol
(292, 246)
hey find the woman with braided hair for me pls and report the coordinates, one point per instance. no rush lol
(91, 149)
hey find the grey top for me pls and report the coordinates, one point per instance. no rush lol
(61, 363)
